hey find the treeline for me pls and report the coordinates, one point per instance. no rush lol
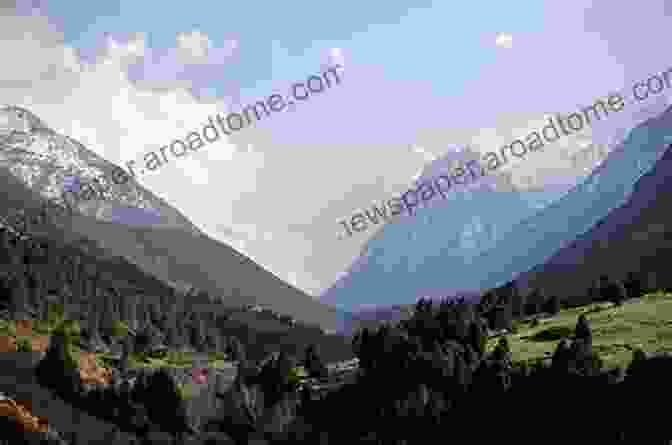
(507, 303)
(430, 377)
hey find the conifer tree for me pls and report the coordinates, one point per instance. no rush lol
(313, 362)
(19, 297)
(553, 305)
(633, 285)
(582, 330)
(236, 350)
(197, 333)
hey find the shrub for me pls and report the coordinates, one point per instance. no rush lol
(217, 355)
(185, 391)
(552, 334)
(56, 314)
(8, 328)
(24, 344)
(165, 401)
(119, 329)
(553, 305)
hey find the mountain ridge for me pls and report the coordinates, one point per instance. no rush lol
(35, 164)
(423, 260)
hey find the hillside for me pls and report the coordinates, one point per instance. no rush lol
(481, 236)
(36, 165)
(638, 234)
(617, 331)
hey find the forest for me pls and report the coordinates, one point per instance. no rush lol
(443, 372)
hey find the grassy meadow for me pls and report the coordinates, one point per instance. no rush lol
(644, 323)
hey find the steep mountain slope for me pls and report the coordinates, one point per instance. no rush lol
(37, 165)
(481, 237)
(608, 187)
(634, 237)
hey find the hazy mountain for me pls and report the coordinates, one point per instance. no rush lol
(37, 165)
(636, 236)
(483, 235)
(608, 187)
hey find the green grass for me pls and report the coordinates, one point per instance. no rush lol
(7, 327)
(175, 359)
(645, 324)
(185, 390)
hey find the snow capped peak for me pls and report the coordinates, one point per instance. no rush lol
(58, 167)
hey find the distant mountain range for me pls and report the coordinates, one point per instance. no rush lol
(484, 235)
(130, 222)
(635, 237)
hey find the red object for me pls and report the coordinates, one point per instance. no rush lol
(200, 375)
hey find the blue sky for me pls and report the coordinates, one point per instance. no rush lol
(125, 78)
(284, 41)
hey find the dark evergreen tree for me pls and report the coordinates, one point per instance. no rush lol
(633, 285)
(582, 330)
(165, 405)
(20, 307)
(502, 317)
(197, 333)
(487, 302)
(534, 301)
(612, 290)
(515, 297)
(552, 306)
(109, 315)
(126, 350)
(236, 350)
(313, 362)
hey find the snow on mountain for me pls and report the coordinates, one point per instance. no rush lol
(47, 163)
(484, 234)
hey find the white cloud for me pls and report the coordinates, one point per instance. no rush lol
(193, 47)
(267, 200)
(504, 40)
(95, 102)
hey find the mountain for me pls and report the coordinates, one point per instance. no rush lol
(635, 237)
(37, 165)
(483, 235)
(608, 187)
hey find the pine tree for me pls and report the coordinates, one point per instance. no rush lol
(517, 299)
(534, 301)
(126, 350)
(197, 333)
(313, 362)
(612, 290)
(108, 315)
(582, 330)
(19, 297)
(553, 305)
(236, 351)
(633, 285)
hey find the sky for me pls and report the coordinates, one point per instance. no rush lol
(125, 78)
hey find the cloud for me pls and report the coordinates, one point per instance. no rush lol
(504, 40)
(124, 99)
(282, 185)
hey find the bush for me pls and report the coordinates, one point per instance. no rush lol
(24, 344)
(8, 327)
(218, 355)
(56, 314)
(165, 402)
(119, 329)
(553, 334)
(185, 391)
